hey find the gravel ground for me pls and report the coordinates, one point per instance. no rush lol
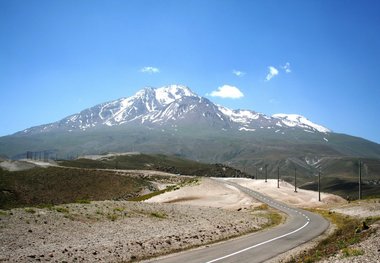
(369, 248)
(115, 231)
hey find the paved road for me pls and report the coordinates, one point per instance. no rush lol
(300, 227)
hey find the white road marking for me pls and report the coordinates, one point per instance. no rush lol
(262, 243)
(270, 240)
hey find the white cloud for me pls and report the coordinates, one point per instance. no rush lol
(227, 91)
(150, 70)
(286, 67)
(238, 73)
(272, 72)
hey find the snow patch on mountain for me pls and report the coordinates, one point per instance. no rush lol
(312, 161)
(294, 120)
(246, 129)
(168, 94)
(239, 116)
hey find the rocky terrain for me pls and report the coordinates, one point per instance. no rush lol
(116, 231)
(194, 215)
(369, 249)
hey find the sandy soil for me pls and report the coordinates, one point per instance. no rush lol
(286, 194)
(24, 164)
(16, 165)
(208, 193)
(362, 209)
(105, 156)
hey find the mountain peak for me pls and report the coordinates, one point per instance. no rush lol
(168, 94)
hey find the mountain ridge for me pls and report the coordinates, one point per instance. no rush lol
(171, 104)
(176, 121)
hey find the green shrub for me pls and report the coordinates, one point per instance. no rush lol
(82, 201)
(262, 207)
(352, 252)
(159, 215)
(30, 210)
(118, 209)
(112, 217)
(61, 210)
(3, 213)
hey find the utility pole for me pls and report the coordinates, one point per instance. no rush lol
(278, 176)
(319, 186)
(360, 180)
(295, 180)
(256, 173)
(266, 172)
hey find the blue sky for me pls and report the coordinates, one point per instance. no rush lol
(60, 57)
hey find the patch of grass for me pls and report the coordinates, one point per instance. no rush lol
(346, 234)
(47, 206)
(159, 215)
(274, 218)
(118, 209)
(352, 252)
(57, 185)
(262, 207)
(372, 219)
(61, 209)
(112, 217)
(158, 162)
(30, 210)
(83, 201)
(150, 195)
(3, 213)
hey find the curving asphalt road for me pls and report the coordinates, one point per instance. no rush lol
(300, 227)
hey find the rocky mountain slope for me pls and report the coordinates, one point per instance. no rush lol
(175, 120)
(171, 106)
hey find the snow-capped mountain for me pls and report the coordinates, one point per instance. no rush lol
(172, 106)
(175, 120)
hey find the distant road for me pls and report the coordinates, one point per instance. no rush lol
(300, 227)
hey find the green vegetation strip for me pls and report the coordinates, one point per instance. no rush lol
(274, 217)
(349, 231)
(157, 162)
(150, 195)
